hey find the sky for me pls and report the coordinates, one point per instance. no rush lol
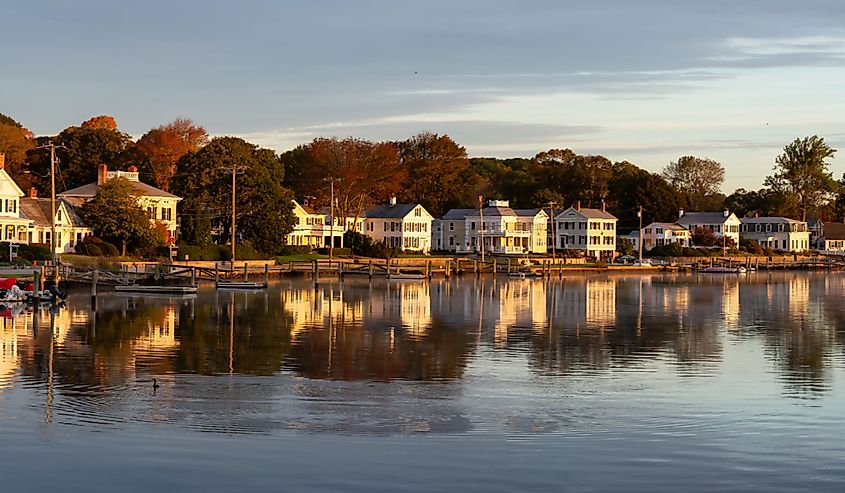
(645, 81)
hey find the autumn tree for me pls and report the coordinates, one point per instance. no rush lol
(801, 171)
(114, 214)
(439, 173)
(15, 142)
(102, 122)
(696, 178)
(364, 173)
(263, 205)
(164, 145)
(81, 150)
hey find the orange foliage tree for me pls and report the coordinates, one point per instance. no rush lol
(165, 144)
(103, 121)
(365, 172)
(15, 141)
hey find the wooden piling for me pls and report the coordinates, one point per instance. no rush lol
(246, 271)
(94, 289)
(267, 274)
(193, 276)
(36, 281)
(370, 270)
(495, 268)
(509, 266)
(216, 273)
(315, 273)
(428, 269)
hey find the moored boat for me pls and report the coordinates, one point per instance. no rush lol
(137, 288)
(723, 270)
(241, 285)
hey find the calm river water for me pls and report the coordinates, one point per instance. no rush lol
(585, 383)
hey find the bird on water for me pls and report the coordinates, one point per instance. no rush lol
(155, 384)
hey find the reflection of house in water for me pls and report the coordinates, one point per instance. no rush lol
(320, 308)
(730, 302)
(161, 331)
(517, 304)
(584, 303)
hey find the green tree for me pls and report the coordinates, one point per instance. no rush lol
(439, 173)
(696, 178)
(624, 246)
(114, 214)
(631, 187)
(801, 171)
(263, 205)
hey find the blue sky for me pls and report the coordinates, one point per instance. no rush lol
(643, 81)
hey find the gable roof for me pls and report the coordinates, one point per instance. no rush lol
(669, 226)
(306, 208)
(8, 185)
(387, 211)
(457, 214)
(89, 190)
(529, 212)
(834, 231)
(38, 211)
(770, 220)
(704, 218)
(588, 213)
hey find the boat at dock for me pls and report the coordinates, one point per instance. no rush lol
(407, 274)
(522, 275)
(141, 289)
(723, 270)
(242, 285)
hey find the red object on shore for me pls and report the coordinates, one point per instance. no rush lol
(7, 282)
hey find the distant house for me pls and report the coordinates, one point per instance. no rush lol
(660, 234)
(14, 227)
(777, 233)
(160, 205)
(816, 228)
(70, 229)
(403, 226)
(720, 223)
(500, 228)
(308, 228)
(833, 241)
(592, 231)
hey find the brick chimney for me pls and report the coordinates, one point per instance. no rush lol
(392, 201)
(132, 169)
(603, 206)
(2, 160)
(578, 205)
(33, 192)
(102, 170)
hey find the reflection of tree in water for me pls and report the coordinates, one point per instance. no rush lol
(379, 352)
(798, 337)
(649, 316)
(257, 344)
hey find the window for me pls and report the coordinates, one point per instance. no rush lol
(451, 241)
(472, 225)
(451, 226)
(151, 211)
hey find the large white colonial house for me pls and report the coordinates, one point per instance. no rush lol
(720, 223)
(403, 226)
(160, 205)
(26, 219)
(777, 233)
(498, 227)
(592, 231)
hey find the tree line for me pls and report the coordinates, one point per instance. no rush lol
(428, 168)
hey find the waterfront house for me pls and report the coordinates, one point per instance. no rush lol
(777, 233)
(70, 229)
(634, 238)
(590, 231)
(816, 229)
(722, 224)
(500, 228)
(308, 228)
(833, 241)
(14, 227)
(403, 226)
(660, 234)
(160, 205)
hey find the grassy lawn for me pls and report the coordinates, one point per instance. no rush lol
(283, 259)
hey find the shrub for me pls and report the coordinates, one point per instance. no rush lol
(338, 252)
(204, 252)
(670, 250)
(365, 246)
(34, 251)
(88, 248)
(295, 250)
(108, 249)
(245, 251)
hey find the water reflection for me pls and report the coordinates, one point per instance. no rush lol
(434, 331)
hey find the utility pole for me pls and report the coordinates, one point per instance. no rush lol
(481, 226)
(331, 231)
(640, 242)
(53, 211)
(234, 171)
(554, 233)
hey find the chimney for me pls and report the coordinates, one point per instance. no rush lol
(578, 205)
(132, 169)
(603, 206)
(101, 174)
(33, 192)
(727, 213)
(2, 160)
(392, 200)
(680, 213)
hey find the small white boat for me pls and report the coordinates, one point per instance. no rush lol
(723, 270)
(407, 275)
(522, 275)
(241, 285)
(156, 289)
